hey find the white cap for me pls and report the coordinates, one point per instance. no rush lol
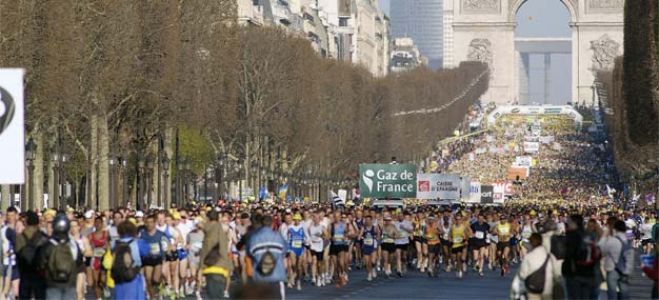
(139, 214)
(89, 214)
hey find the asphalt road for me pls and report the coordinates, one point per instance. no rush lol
(447, 286)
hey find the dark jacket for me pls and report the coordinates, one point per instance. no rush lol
(43, 255)
(22, 239)
(574, 240)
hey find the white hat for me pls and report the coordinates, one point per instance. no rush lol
(89, 214)
(139, 214)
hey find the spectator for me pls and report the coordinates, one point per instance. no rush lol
(578, 269)
(533, 261)
(617, 284)
(267, 250)
(60, 259)
(214, 257)
(32, 284)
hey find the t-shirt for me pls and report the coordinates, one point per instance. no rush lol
(403, 235)
(267, 249)
(153, 245)
(480, 230)
(316, 237)
(195, 240)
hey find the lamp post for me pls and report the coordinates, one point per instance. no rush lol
(164, 162)
(113, 162)
(59, 157)
(124, 167)
(149, 180)
(30, 153)
(239, 168)
(139, 202)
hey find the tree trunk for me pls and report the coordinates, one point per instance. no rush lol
(93, 172)
(6, 196)
(38, 176)
(103, 166)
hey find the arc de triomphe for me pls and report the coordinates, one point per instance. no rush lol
(484, 30)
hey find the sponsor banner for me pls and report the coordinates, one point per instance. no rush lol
(514, 172)
(387, 180)
(523, 161)
(438, 186)
(547, 139)
(343, 194)
(12, 140)
(531, 147)
(499, 192)
(487, 194)
(474, 192)
(464, 187)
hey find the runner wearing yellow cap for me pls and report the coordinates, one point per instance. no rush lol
(296, 236)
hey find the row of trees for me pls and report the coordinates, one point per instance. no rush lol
(155, 82)
(632, 97)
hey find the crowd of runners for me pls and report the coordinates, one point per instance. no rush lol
(213, 250)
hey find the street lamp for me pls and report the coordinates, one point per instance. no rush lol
(59, 158)
(124, 167)
(30, 155)
(140, 181)
(164, 162)
(149, 180)
(113, 162)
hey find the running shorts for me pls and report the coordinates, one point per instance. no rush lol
(336, 249)
(420, 239)
(457, 249)
(434, 249)
(151, 261)
(502, 245)
(402, 247)
(318, 255)
(389, 247)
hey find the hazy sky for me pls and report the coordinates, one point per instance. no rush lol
(541, 18)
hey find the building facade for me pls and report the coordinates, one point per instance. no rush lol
(355, 31)
(405, 55)
(421, 20)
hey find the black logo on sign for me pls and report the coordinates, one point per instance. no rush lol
(7, 108)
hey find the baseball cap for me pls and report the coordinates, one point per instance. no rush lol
(139, 214)
(89, 214)
(297, 217)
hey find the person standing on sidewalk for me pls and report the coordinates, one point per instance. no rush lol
(581, 259)
(214, 257)
(613, 249)
(31, 283)
(267, 249)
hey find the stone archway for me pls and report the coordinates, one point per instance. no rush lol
(484, 30)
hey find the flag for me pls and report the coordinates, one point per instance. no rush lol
(336, 200)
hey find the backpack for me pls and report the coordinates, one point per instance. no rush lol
(27, 254)
(535, 283)
(123, 269)
(61, 266)
(558, 246)
(589, 253)
(624, 265)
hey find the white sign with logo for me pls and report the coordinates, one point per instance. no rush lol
(343, 194)
(523, 161)
(499, 192)
(474, 192)
(438, 186)
(12, 141)
(547, 139)
(531, 147)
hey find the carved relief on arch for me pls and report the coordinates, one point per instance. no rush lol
(481, 6)
(605, 51)
(605, 6)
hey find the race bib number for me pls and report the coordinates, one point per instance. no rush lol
(338, 237)
(457, 240)
(479, 235)
(154, 249)
(98, 252)
(504, 230)
(388, 240)
(368, 241)
(296, 244)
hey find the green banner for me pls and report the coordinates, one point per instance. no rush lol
(387, 180)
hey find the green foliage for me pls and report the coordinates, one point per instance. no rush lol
(195, 148)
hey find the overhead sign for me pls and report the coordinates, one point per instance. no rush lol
(387, 180)
(487, 194)
(531, 110)
(438, 186)
(12, 140)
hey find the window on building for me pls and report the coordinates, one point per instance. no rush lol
(343, 22)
